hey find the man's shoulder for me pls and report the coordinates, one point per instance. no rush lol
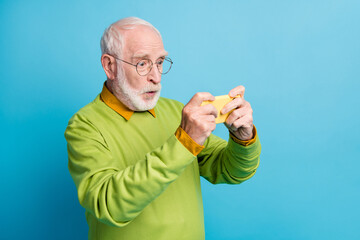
(89, 111)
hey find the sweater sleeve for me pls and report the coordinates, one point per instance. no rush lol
(116, 195)
(228, 162)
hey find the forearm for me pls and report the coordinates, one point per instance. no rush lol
(242, 160)
(117, 195)
(229, 162)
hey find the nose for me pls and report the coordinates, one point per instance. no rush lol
(154, 75)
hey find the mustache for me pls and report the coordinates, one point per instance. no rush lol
(151, 88)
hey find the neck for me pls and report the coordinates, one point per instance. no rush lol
(109, 86)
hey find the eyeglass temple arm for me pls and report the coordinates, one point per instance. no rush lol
(125, 61)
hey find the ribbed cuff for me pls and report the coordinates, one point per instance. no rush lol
(247, 142)
(188, 142)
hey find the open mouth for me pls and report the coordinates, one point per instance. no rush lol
(150, 93)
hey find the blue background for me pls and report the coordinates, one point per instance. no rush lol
(300, 64)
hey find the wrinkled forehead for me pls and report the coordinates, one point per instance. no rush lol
(142, 40)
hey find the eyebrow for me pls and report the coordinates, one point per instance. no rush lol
(145, 55)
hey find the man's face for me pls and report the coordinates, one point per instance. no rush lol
(139, 93)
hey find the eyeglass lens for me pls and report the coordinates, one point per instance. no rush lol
(144, 66)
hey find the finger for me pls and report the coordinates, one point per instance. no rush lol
(239, 90)
(236, 103)
(209, 109)
(230, 127)
(209, 118)
(199, 97)
(245, 121)
(235, 115)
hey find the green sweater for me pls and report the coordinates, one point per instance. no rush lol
(137, 181)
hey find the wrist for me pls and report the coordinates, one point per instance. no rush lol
(243, 136)
(244, 142)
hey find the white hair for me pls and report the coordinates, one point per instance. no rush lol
(112, 40)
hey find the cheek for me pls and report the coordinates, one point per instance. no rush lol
(138, 83)
(134, 80)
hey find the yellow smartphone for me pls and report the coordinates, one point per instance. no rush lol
(219, 103)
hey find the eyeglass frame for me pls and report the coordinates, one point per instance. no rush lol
(152, 64)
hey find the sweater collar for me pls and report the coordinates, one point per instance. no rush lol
(115, 104)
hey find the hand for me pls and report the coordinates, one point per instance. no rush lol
(240, 121)
(199, 121)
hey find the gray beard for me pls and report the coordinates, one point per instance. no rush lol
(133, 98)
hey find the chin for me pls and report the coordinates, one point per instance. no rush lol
(141, 104)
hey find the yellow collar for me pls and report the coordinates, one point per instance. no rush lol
(115, 104)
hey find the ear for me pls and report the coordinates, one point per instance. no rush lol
(109, 65)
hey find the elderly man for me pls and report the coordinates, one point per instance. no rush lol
(136, 157)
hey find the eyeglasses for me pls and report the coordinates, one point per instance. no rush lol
(144, 66)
